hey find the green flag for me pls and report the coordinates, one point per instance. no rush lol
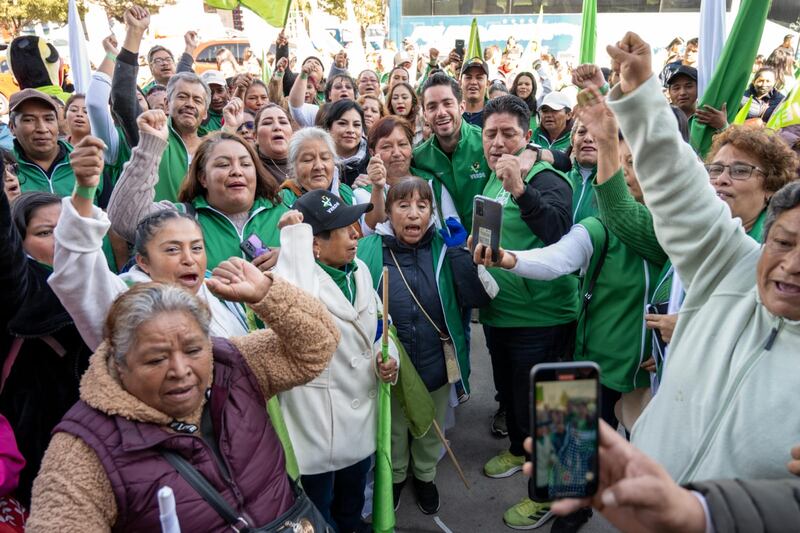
(788, 112)
(383, 519)
(734, 68)
(741, 116)
(274, 12)
(588, 31)
(474, 46)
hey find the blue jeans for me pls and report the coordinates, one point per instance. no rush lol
(514, 352)
(339, 495)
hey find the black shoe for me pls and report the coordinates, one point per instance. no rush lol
(499, 427)
(397, 488)
(572, 522)
(427, 496)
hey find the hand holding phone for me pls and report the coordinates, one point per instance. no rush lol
(253, 247)
(564, 405)
(487, 224)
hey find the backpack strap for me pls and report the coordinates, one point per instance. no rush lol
(587, 297)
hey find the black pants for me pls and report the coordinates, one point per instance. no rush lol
(339, 495)
(514, 352)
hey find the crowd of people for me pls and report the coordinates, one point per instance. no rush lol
(194, 275)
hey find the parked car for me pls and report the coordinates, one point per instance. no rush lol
(205, 56)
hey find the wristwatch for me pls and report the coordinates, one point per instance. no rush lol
(535, 148)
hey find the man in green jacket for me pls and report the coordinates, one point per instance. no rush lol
(219, 97)
(188, 98)
(454, 153)
(528, 322)
(555, 124)
(43, 159)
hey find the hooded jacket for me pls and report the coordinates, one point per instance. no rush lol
(727, 374)
(75, 492)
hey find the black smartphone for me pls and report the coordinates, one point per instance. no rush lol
(487, 223)
(253, 247)
(564, 403)
(460, 48)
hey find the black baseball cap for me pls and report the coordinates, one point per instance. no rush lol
(324, 211)
(475, 62)
(682, 70)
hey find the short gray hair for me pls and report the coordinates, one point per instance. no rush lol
(188, 77)
(787, 197)
(299, 138)
(140, 304)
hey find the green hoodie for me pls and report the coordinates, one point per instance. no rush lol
(222, 237)
(213, 123)
(525, 302)
(464, 175)
(173, 167)
(562, 143)
(584, 202)
(32, 178)
(370, 250)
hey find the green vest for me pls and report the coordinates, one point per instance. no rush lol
(584, 201)
(562, 143)
(370, 250)
(221, 236)
(173, 167)
(32, 178)
(525, 302)
(615, 336)
(345, 193)
(534, 122)
(213, 123)
(464, 175)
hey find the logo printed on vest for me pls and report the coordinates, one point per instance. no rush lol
(503, 197)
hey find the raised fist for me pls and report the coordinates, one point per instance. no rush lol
(87, 161)
(153, 122)
(110, 45)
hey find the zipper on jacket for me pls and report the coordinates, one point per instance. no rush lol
(43, 173)
(239, 234)
(727, 401)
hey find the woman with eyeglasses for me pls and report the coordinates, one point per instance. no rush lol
(747, 165)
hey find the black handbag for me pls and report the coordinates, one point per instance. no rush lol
(302, 517)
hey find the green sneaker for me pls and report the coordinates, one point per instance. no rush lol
(527, 514)
(504, 465)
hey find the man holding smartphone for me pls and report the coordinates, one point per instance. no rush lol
(528, 322)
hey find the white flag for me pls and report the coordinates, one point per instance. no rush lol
(712, 39)
(79, 62)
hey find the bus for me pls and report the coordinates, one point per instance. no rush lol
(438, 23)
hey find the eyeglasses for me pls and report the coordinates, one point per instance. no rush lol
(737, 171)
(162, 61)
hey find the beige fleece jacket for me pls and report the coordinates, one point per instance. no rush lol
(72, 491)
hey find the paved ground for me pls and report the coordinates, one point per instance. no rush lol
(481, 508)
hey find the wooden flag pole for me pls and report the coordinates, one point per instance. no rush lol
(385, 341)
(450, 453)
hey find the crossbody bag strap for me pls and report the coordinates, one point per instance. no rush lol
(203, 487)
(442, 335)
(587, 297)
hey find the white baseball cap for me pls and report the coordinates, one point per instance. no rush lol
(213, 77)
(556, 101)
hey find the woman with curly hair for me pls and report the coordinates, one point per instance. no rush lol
(747, 165)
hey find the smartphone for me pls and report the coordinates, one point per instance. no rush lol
(487, 223)
(253, 247)
(460, 48)
(564, 403)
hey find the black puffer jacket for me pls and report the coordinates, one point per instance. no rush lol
(420, 339)
(43, 381)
